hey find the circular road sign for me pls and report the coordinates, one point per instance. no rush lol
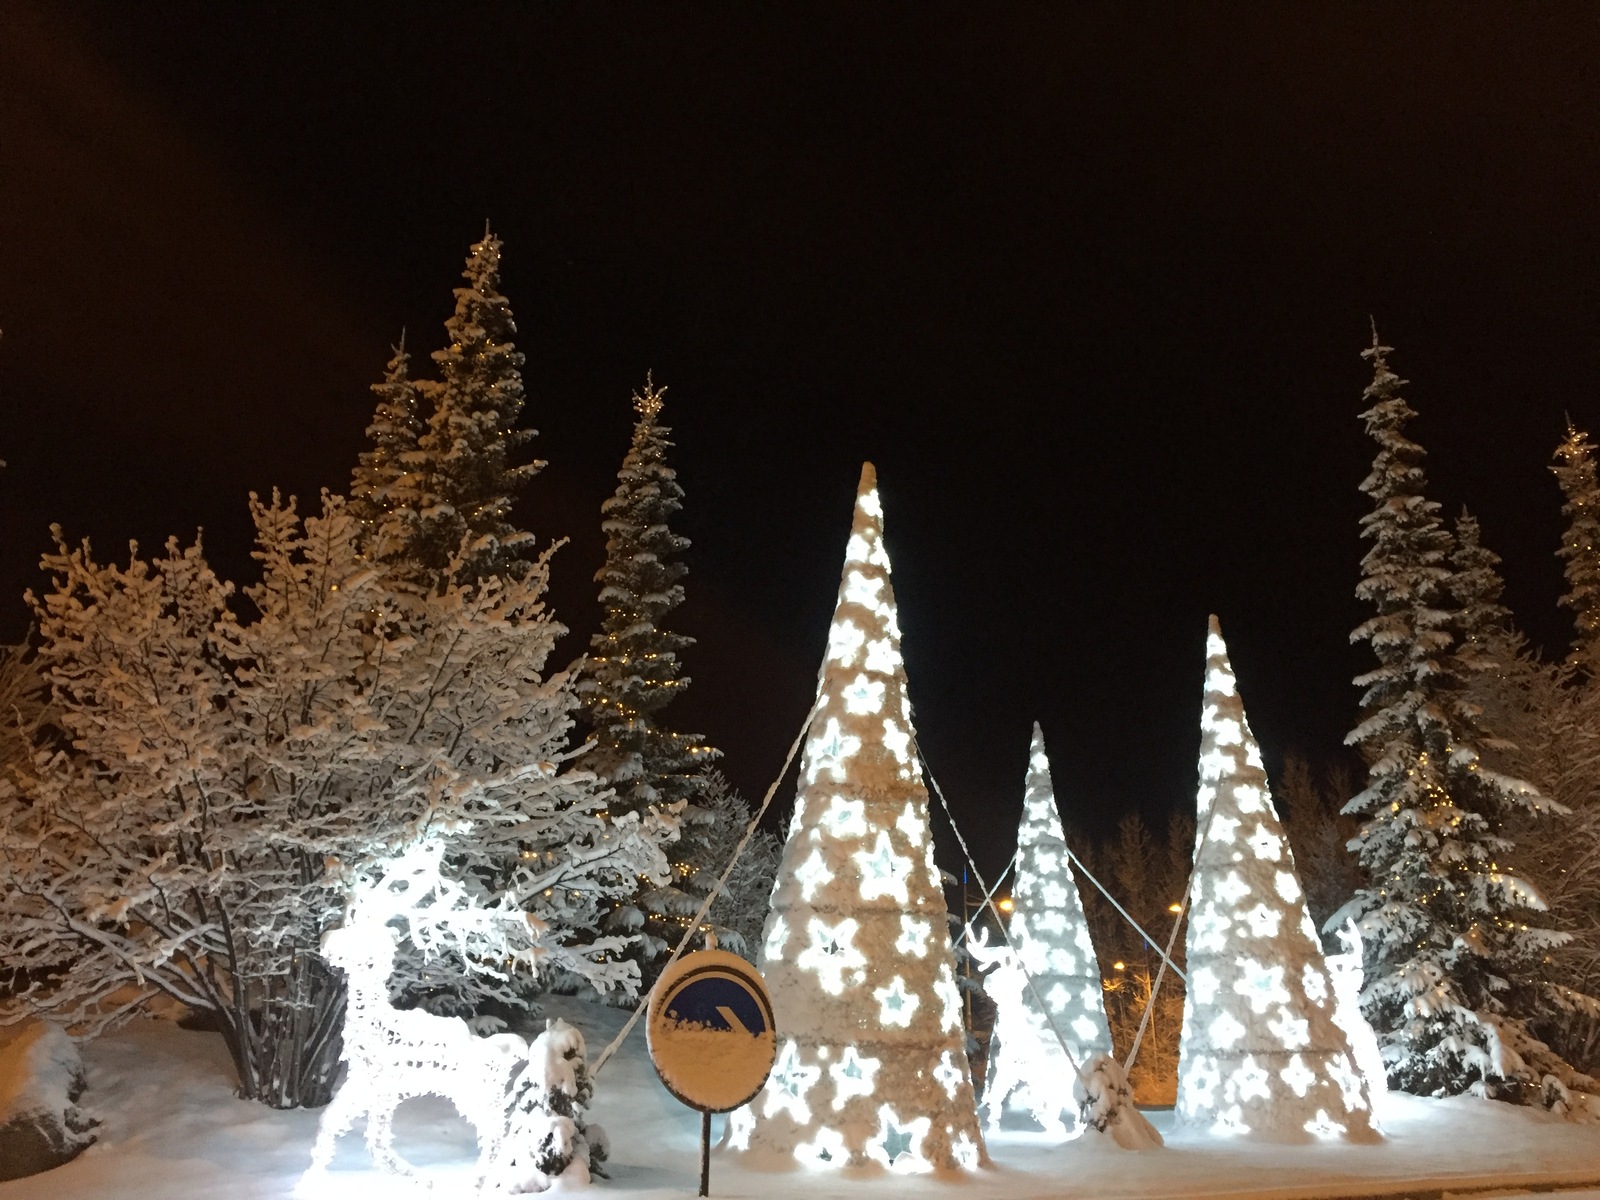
(710, 1030)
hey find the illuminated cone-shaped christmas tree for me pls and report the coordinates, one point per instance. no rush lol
(1053, 954)
(1261, 1054)
(871, 1062)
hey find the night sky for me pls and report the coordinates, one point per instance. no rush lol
(1088, 284)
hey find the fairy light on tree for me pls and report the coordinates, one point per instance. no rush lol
(871, 1065)
(1261, 1053)
(1049, 946)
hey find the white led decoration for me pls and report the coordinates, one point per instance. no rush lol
(1261, 1054)
(392, 1055)
(871, 1067)
(1049, 940)
(1347, 977)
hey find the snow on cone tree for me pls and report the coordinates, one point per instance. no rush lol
(1260, 1053)
(871, 1063)
(1050, 936)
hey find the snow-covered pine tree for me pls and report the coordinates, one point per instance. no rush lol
(871, 1063)
(384, 496)
(1451, 949)
(633, 672)
(1574, 470)
(1057, 997)
(740, 910)
(1551, 712)
(216, 780)
(1261, 1054)
(466, 473)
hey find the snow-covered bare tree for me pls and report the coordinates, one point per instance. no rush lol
(1452, 944)
(218, 778)
(1147, 871)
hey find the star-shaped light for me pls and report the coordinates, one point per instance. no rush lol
(853, 1076)
(895, 1004)
(913, 937)
(883, 872)
(882, 657)
(832, 954)
(948, 1075)
(863, 589)
(790, 1081)
(896, 740)
(1298, 1076)
(812, 874)
(899, 1140)
(845, 640)
(864, 696)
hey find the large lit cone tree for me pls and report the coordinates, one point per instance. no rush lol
(1260, 1052)
(1051, 984)
(871, 1063)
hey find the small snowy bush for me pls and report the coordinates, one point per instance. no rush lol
(548, 1136)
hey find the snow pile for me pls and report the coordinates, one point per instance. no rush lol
(1108, 1107)
(41, 1125)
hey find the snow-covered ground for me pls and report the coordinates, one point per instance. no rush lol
(174, 1131)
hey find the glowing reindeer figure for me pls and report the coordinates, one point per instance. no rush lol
(1029, 1068)
(393, 1055)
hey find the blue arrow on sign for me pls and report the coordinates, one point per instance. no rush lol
(718, 1002)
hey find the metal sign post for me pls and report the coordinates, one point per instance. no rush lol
(711, 1036)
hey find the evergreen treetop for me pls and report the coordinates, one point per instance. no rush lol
(383, 487)
(1574, 470)
(633, 671)
(466, 470)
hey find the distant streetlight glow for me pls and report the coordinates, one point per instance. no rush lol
(1004, 904)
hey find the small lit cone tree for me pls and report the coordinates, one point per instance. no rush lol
(1053, 954)
(871, 1063)
(1260, 1053)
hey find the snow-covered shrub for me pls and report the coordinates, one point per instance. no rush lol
(549, 1136)
(220, 774)
(1106, 1106)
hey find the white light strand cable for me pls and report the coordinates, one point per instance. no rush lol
(1177, 924)
(1027, 976)
(1127, 916)
(711, 896)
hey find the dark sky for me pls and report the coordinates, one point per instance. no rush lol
(1088, 284)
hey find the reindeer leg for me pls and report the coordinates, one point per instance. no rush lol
(337, 1120)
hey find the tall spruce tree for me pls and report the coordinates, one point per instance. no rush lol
(1451, 949)
(466, 473)
(633, 671)
(1580, 545)
(383, 488)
